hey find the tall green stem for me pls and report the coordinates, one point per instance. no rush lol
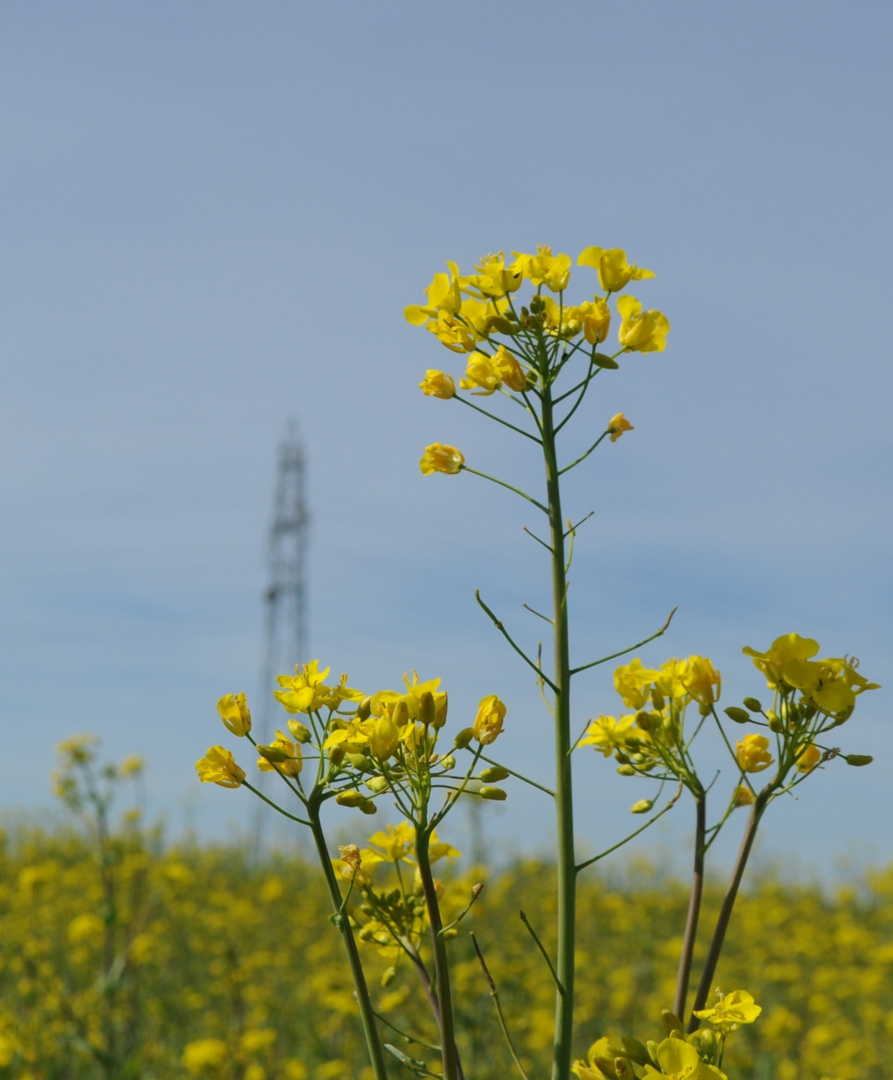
(694, 907)
(367, 1014)
(564, 1000)
(728, 903)
(451, 1067)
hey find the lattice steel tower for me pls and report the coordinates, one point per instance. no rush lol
(285, 623)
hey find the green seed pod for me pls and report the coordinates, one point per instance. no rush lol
(602, 360)
(494, 794)
(378, 784)
(368, 807)
(449, 934)
(740, 716)
(464, 738)
(858, 759)
(497, 772)
(626, 770)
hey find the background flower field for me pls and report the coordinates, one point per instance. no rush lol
(224, 966)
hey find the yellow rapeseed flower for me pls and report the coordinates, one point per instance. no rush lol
(641, 331)
(218, 766)
(617, 425)
(437, 384)
(808, 756)
(488, 722)
(441, 458)
(614, 272)
(607, 733)
(731, 1011)
(753, 754)
(235, 714)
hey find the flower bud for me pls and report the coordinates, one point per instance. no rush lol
(626, 770)
(440, 709)
(274, 754)
(740, 716)
(635, 1050)
(657, 700)
(364, 709)
(858, 759)
(336, 755)
(426, 708)
(367, 807)
(299, 732)
(361, 762)
(623, 1070)
(642, 806)
(671, 1022)
(752, 704)
(388, 976)
(349, 798)
(494, 794)
(378, 784)
(602, 360)
(448, 763)
(400, 713)
(450, 933)
(464, 738)
(776, 723)
(647, 721)
(497, 772)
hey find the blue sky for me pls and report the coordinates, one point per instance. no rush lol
(214, 216)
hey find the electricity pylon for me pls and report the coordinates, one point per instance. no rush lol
(285, 621)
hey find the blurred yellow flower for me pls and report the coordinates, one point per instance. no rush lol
(544, 268)
(488, 722)
(218, 766)
(443, 295)
(437, 384)
(753, 754)
(234, 713)
(202, 1054)
(633, 682)
(743, 796)
(731, 1011)
(607, 733)
(808, 757)
(617, 425)
(641, 331)
(441, 458)
(679, 1060)
(614, 272)
(702, 680)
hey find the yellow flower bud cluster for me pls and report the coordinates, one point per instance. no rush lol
(677, 1056)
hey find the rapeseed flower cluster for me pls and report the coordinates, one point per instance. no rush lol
(470, 314)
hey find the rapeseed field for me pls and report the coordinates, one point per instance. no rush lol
(130, 960)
